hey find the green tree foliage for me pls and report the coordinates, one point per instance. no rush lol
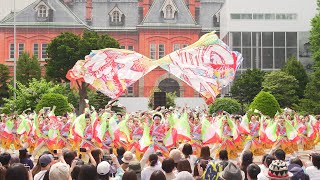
(294, 68)
(283, 86)
(312, 93)
(247, 86)
(311, 102)
(266, 103)
(52, 99)
(28, 68)
(315, 37)
(67, 48)
(170, 97)
(225, 104)
(28, 96)
(4, 78)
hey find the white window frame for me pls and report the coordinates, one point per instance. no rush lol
(20, 49)
(153, 49)
(130, 47)
(116, 16)
(43, 58)
(11, 51)
(163, 51)
(35, 51)
(176, 47)
(42, 11)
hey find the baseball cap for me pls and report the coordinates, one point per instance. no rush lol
(45, 160)
(103, 168)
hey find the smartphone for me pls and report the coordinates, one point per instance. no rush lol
(110, 151)
(55, 151)
(83, 150)
(55, 157)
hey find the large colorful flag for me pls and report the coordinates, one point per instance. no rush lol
(292, 133)
(208, 65)
(171, 135)
(79, 126)
(244, 125)
(24, 126)
(145, 140)
(209, 133)
(271, 131)
(183, 128)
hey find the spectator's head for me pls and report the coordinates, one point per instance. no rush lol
(278, 169)
(184, 165)
(5, 159)
(168, 165)
(280, 154)
(200, 163)
(176, 155)
(205, 153)
(128, 157)
(252, 171)
(187, 150)
(315, 158)
(297, 161)
(14, 159)
(120, 151)
(231, 172)
(263, 158)
(153, 160)
(223, 155)
(75, 172)
(23, 153)
(268, 160)
(184, 175)
(45, 161)
(97, 154)
(129, 175)
(88, 172)
(135, 166)
(157, 175)
(247, 158)
(69, 156)
(297, 172)
(59, 171)
(103, 170)
(17, 171)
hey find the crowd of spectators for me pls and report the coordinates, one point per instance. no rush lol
(181, 164)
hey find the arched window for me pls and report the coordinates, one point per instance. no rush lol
(169, 12)
(170, 85)
(42, 11)
(115, 16)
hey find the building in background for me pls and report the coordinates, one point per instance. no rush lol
(266, 32)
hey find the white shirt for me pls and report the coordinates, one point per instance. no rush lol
(146, 172)
(313, 172)
(39, 175)
(264, 170)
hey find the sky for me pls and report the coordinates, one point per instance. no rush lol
(6, 6)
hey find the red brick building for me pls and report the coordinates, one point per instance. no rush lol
(153, 28)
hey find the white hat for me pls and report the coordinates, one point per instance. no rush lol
(184, 175)
(128, 157)
(103, 168)
(59, 171)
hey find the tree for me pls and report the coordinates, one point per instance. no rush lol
(315, 38)
(225, 104)
(295, 68)
(283, 86)
(170, 99)
(28, 68)
(247, 86)
(28, 96)
(99, 100)
(4, 78)
(52, 99)
(67, 48)
(266, 103)
(312, 93)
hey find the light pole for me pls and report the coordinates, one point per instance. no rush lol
(14, 48)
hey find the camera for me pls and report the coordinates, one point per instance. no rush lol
(83, 150)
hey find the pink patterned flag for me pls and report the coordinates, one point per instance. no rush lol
(208, 65)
